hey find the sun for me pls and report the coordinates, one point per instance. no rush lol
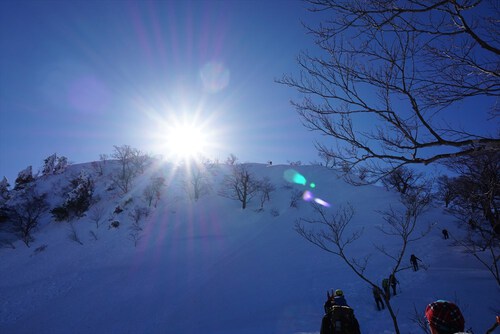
(184, 136)
(185, 141)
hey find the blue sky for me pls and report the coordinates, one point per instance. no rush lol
(81, 76)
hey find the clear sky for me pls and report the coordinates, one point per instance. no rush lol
(78, 77)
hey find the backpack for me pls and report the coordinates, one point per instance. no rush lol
(340, 320)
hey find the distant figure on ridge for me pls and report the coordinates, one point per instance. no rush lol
(445, 234)
(339, 318)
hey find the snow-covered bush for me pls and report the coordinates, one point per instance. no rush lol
(24, 178)
(49, 164)
(54, 165)
(77, 200)
(62, 163)
(4, 196)
(4, 190)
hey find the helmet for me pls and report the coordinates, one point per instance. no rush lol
(444, 315)
(339, 292)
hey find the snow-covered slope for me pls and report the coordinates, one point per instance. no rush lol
(211, 267)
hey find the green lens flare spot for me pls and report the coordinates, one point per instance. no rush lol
(312, 185)
(295, 177)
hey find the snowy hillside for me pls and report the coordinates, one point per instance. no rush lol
(208, 266)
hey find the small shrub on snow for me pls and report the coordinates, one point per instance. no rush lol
(93, 234)
(114, 224)
(73, 235)
(274, 212)
(26, 213)
(40, 249)
(96, 214)
(295, 197)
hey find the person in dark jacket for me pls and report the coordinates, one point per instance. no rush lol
(339, 319)
(377, 294)
(445, 234)
(393, 282)
(413, 260)
(386, 287)
(339, 298)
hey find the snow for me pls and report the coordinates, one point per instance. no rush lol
(211, 267)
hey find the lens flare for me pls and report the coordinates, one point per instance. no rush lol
(293, 176)
(307, 196)
(321, 202)
(215, 76)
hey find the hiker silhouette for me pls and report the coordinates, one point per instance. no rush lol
(338, 319)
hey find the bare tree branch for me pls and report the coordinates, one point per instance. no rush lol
(387, 69)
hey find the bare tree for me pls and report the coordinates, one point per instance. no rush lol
(403, 224)
(136, 229)
(419, 319)
(295, 198)
(96, 214)
(478, 186)
(27, 212)
(240, 185)
(476, 205)
(131, 162)
(98, 167)
(331, 233)
(152, 192)
(138, 214)
(197, 180)
(327, 159)
(265, 189)
(388, 69)
(446, 191)
(402, 180)
(231, 159)
(73, 234)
